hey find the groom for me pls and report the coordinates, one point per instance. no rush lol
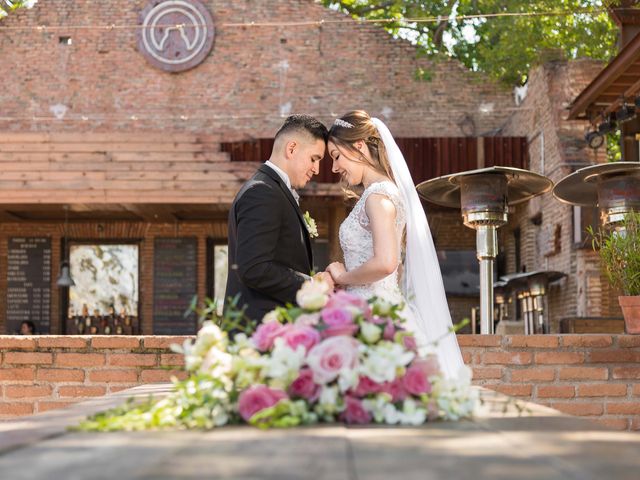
(269, 245)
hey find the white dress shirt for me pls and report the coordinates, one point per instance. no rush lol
(285, 178)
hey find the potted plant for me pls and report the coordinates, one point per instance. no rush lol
(619, 251)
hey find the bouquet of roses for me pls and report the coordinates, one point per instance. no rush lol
(334, 357)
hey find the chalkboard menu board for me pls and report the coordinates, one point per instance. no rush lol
(174, 285)
(29, 283)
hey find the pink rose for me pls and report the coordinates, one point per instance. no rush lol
(308, 319)
(257, 398)
(366, 386)
(415, 381)
(345, 330)
(409, 343)
(295, 335)
(266, 333)
(429, 365)
(331, 356)
(342, 299)
(379, 320)
(389, 331)
(395, 389)
(354, 412)
(304, 386)
(339, 321)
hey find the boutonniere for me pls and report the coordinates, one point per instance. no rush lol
(310, 223)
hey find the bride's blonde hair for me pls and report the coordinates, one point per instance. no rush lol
(352, 127)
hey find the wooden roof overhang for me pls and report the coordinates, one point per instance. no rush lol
(619, 81)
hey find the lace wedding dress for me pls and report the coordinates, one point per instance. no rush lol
(356, 241)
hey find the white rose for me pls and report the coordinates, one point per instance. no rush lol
(271, 316)
(383, 307)
(370, 332)
(313, 295)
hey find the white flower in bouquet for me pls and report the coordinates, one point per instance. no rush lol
(330, 401)
(216, 363)
(411, 413)
(370, 332)
(348, 379)
(376, 406)
(271, 316)
(382, 361)
(284, 363)
(382, 307)
(313, 295)
(208, 336)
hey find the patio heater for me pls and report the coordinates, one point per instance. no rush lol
(614, 187)
(531, 289)
(484, 196)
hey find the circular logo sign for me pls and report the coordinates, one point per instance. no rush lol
(176, 35)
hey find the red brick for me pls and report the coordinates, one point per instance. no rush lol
(602, 390)
(115, 342)
(60, 375)
(614, 356)
(555, 391)
(636, 389)
(62, 342)
(506, 358)
(16, 374)
(119, 388)
(623, 408)
(156, 376)
(133, 359)
(27, 391)
(79, 359)
(17, 343)
(34, 358)
(467, 357)
(583, 373)
(11, 409)
(532, 341)
(587, 340)
(171, 359)
(626, 372)
(612, 423)
(479, 340)
(580, 409)
(81, 391)
(113, 376)
(481, 373)
(164, 343)
(628, 341)
(635, 424)
(46, 406)
(533, 374)
(562, 358)
(513, 390)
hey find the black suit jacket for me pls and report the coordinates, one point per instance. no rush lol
(269, 245)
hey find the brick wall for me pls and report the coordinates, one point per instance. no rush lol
(556, 149)
(252, 77)
(595, 376)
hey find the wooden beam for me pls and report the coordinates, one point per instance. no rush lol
(617, 67)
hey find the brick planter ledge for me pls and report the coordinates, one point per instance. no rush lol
(595, 376)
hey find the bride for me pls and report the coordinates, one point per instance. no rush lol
(365, 154)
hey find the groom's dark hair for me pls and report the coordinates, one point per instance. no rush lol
(306, 124)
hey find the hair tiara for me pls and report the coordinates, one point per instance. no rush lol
(342, 123)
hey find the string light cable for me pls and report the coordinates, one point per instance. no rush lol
(319, 22)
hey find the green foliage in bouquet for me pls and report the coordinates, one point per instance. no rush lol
(619, 252)
(332, 357)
